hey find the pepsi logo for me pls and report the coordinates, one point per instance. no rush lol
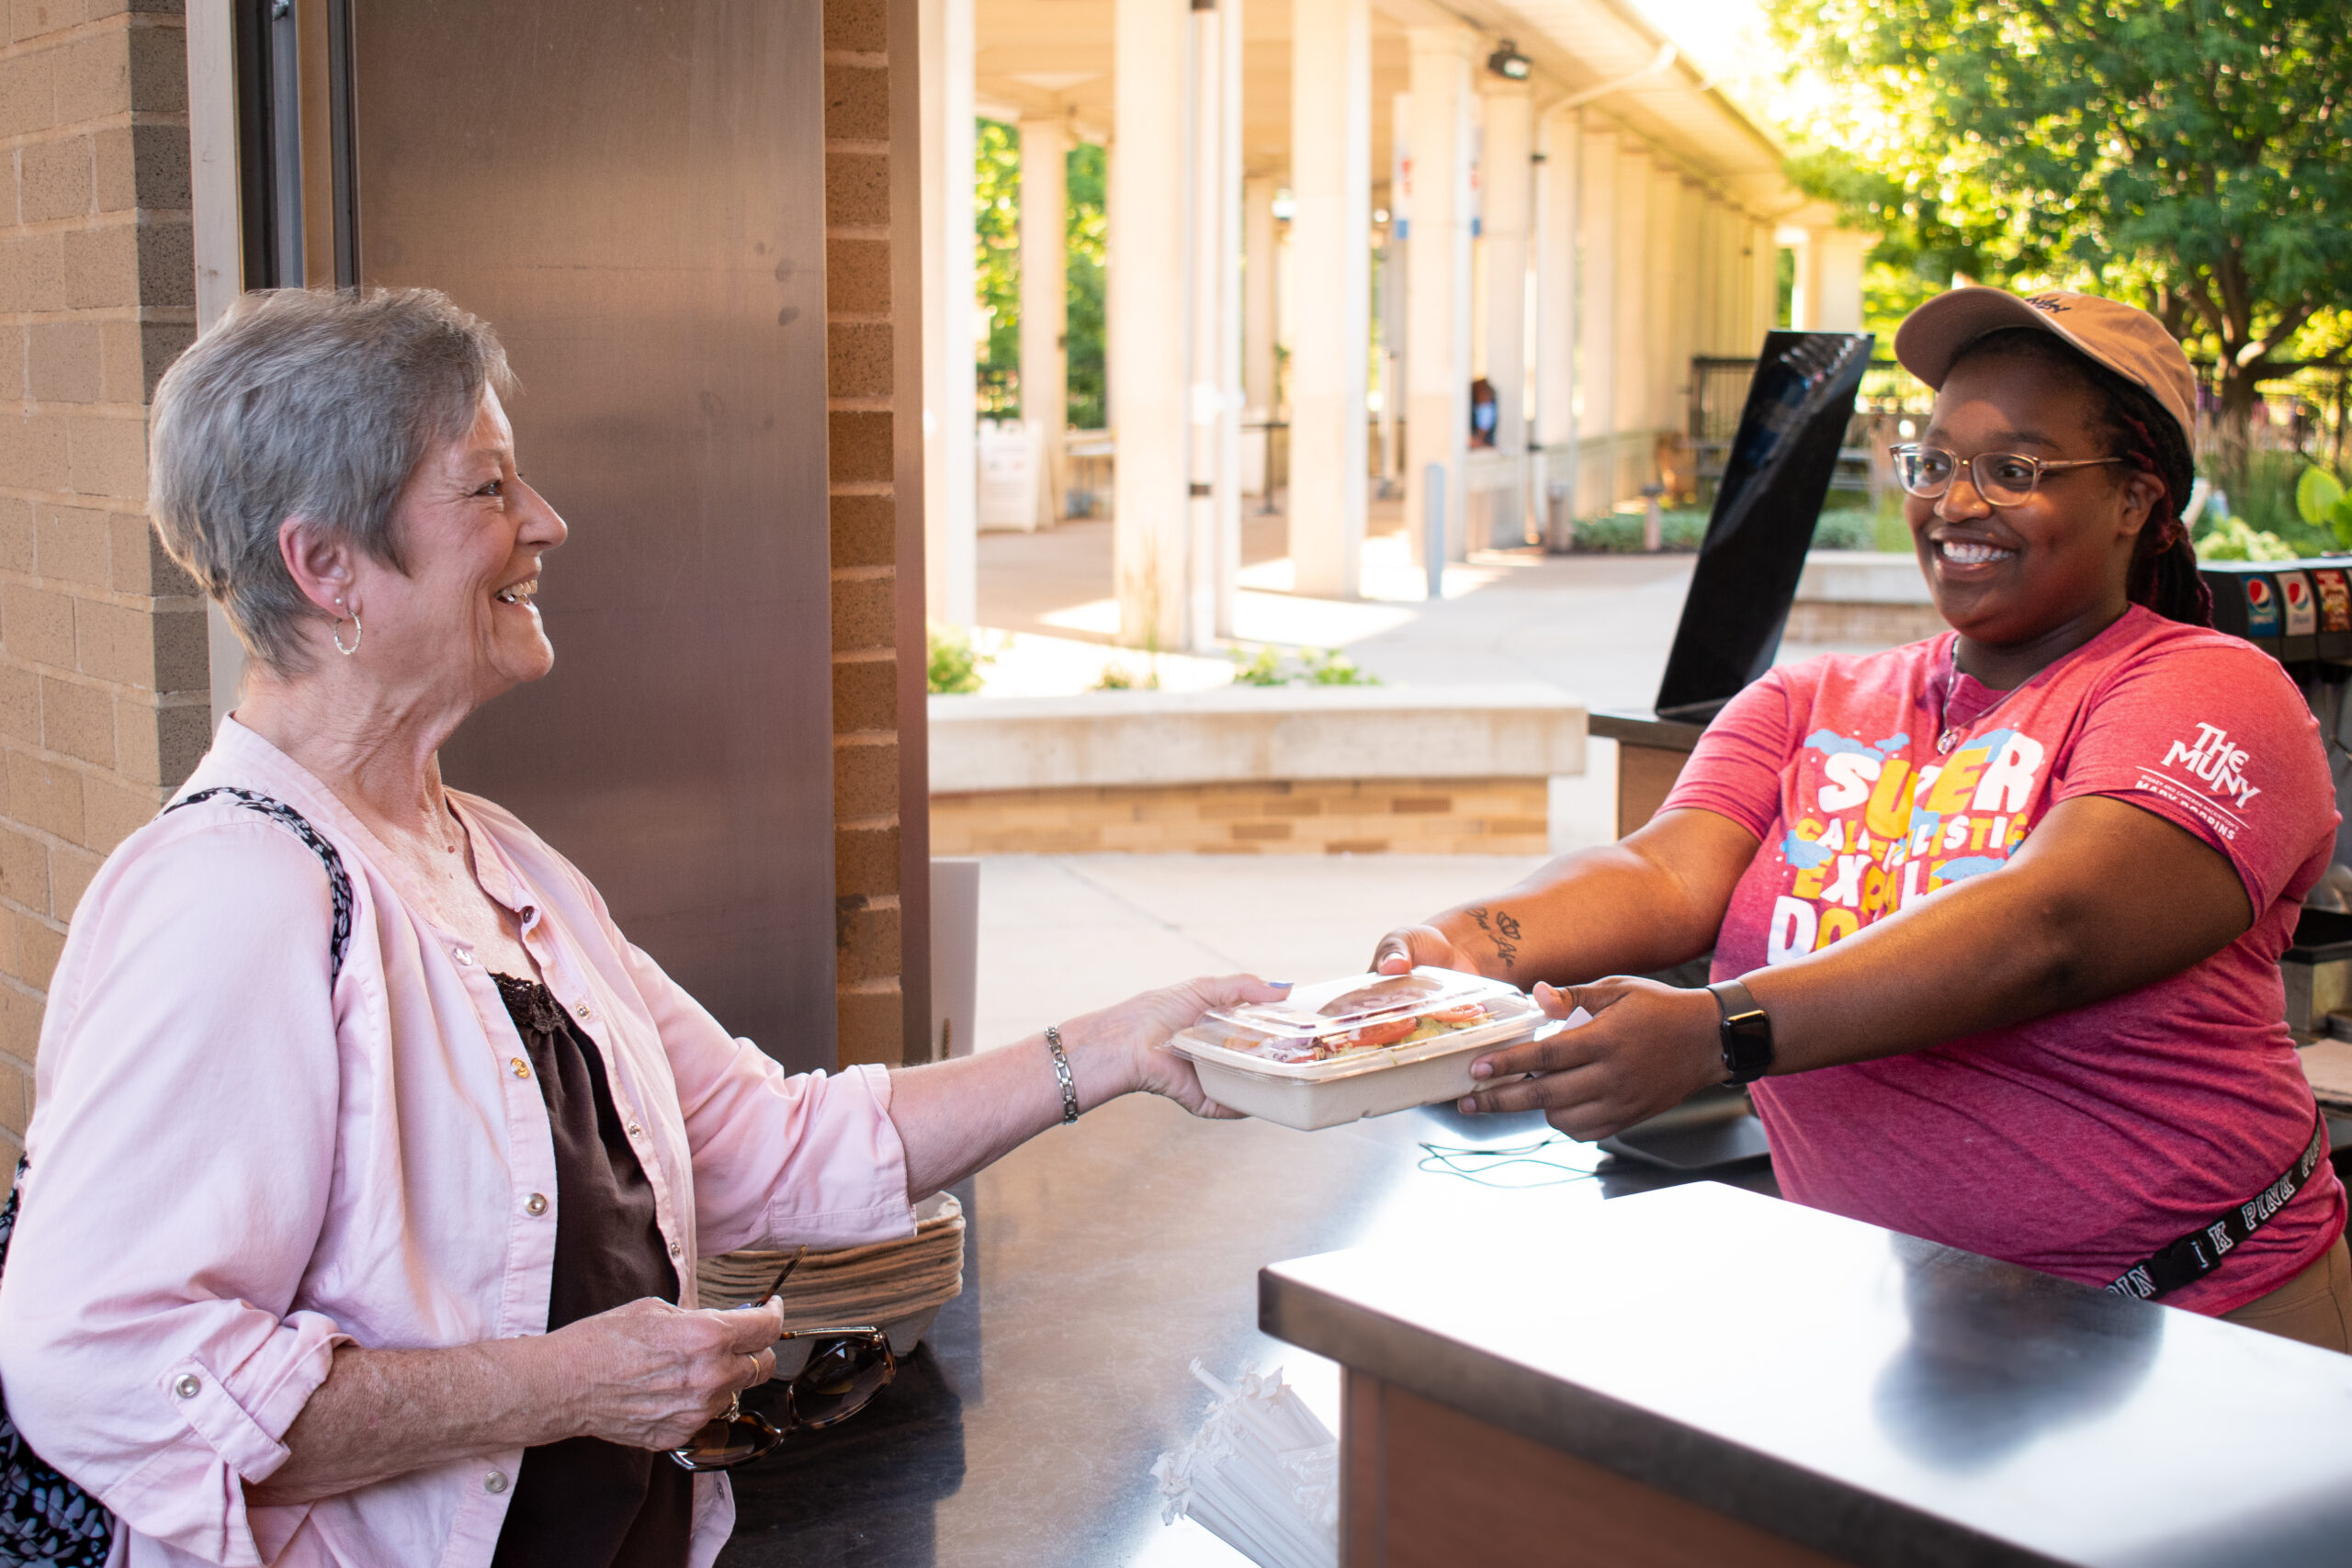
(2296, 591)
(2257, 591)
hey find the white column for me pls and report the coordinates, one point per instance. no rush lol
(1764, 283)
(1395, 269)
(1731, 262)
(1599, 210)
(1258, 281)
(1330, 235)
(1045, 303)
(1146, 355)
(950, 457)
(1389, 270)
(1557, 279)
(1506, 190)
(1747, 327)
(1212, 322)
(1438, 278)
(1689, 247)
(1224, 369)
(1835, 258)
(1631, 446)
(1665, 227)
(1707, 325)
(1804, 298)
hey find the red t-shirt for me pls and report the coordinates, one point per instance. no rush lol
(2082, 1142)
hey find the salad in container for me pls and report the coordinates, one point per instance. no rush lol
(1362, 1046)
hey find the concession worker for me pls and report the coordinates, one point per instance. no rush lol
(1997, 917)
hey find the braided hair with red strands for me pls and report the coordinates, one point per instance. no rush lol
(2135, 427)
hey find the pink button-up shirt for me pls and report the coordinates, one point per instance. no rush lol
(235, 1168)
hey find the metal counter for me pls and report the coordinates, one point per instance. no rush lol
(1877, 1399)
(1101, 1260)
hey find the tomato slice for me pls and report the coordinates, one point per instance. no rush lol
(1384, 1033)
(1468, 1012)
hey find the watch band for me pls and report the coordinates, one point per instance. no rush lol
(1746, 1031)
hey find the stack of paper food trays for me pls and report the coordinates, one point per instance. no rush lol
(2327, 1064)
(898, 1286)
(1362, 1046)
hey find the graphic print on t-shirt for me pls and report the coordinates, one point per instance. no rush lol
(1881, 831)
(2184, 1097)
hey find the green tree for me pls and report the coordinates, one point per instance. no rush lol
(1089, 236)
(2188, 153)
(996, 264)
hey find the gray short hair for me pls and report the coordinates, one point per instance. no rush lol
(312, 404)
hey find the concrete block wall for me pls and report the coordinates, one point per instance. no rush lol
(103, 682)
(1360, 817)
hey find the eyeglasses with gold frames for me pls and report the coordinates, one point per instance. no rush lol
(2002, 478)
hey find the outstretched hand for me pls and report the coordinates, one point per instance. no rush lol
(1140, 1028)
(1648, 1048)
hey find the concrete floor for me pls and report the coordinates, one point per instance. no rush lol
(1596, 626)
(1063, 935)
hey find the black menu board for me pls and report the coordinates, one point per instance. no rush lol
(1773, 485)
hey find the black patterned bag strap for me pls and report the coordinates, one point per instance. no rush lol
(293, 821)
(46, 1522)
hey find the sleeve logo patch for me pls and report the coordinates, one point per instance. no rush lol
(2212, 760)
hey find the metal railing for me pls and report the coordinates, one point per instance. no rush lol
(1890, 396)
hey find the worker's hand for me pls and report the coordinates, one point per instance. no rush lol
(648, 1375)
(1410, 947)
(1648, 1048)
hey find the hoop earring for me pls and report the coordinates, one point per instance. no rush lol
(334, 633)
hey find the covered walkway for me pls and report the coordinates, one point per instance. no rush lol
(1341, 216)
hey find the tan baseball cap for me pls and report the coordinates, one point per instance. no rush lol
(2124, 338)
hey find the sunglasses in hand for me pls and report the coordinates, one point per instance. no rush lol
(847, 1367)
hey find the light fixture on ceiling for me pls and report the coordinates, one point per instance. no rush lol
(1509, 64)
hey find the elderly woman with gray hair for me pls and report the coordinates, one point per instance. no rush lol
(371, 1160)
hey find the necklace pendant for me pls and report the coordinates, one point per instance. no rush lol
(1945, 741)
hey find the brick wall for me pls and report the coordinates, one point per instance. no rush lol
(865, 402)
(1486, 817)
(102, 682)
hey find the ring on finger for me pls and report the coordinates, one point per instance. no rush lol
(755, 1358)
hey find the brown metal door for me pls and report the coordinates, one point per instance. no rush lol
(632, 192)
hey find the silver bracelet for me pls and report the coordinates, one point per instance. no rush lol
(1061, 1075)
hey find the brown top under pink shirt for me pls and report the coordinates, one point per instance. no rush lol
(239, 1163)
(2080, 1143)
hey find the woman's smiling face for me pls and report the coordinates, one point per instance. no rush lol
(460, 620)
(2007, 576)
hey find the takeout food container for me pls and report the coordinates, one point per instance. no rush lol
(1362, 1046)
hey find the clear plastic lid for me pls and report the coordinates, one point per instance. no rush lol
(1364, 1017)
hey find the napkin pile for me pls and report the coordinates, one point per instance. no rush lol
(1261, 1474)
(886, 1284)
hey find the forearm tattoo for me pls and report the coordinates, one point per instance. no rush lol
(1501, 930)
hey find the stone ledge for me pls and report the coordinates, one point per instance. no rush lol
(1238, 734)
(1862, 597)
(1862, 576)
(1360, 817)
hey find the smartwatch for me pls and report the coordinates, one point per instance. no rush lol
(1747, 1034)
